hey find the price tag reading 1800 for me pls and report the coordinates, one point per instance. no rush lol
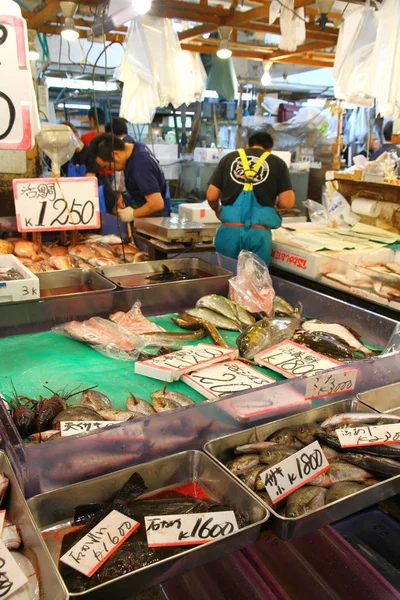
(188, 530)
(56, 204)
(294, 472)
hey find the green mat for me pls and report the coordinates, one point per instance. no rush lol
(34, 360)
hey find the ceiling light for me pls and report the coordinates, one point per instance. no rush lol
(224, 51)
(69, 31)
(206, 35)
(141, 7)
(81, 84)
(74, 106)
(324, 7)
(33, 54)
(266, 78)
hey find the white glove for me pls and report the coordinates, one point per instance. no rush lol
(126, 214)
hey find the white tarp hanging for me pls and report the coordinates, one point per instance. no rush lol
(156, 72)
(292, 23)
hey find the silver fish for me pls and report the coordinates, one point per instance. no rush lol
(357, 417)
(244, 463)
(138, 405)
(214, 318)
(254, 447)
(336, 329)
(218, 304)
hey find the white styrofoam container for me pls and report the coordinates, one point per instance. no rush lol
(199, 212)
(299, 261)
(20, 289)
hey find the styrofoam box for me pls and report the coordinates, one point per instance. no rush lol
(20, 289)
(299, 261)
(198, 212)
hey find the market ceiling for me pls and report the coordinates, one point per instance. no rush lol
(317, 51)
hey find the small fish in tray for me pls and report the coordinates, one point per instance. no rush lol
(351, 469)
(10, 274)
(168, 275)
(134, 553)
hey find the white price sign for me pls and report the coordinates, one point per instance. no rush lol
(369, 435)
(11, 576)
(331, 384)
(74, 427)
(87, 555)
(189, 530)
(293, 360)
(62, 204)
(294, 472)
(17, 104)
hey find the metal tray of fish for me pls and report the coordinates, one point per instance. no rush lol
(73, 282)
(221, 450)
(54, 510)
(35, 549)
(199, 273)
(384, 399)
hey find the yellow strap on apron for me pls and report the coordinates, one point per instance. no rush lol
(251, 173)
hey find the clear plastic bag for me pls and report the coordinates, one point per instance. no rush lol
(393, 344)
(252, 286)
(134, 320)
(318, 214)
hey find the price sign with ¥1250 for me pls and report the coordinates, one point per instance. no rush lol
(65, 203)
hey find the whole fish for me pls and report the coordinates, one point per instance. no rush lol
(169, 338)
(304, 500)
(282, 308)
(171, 396)
(314, 325)
(161, 404)
(325, 343)
(285, 436)
(115, 414)
(188, 322)
(253, 480)
(342, 489)
(244, 463)
(340, 471)
(306, 433)
(76, 413)
(220, 305)
(138, 405)
(95, 400)
(376, 464)
(382, 450)
(349, 418)
(264, 334)
(330, 453)
(254, 447)
(214, 318)
(243, 315)
(272, 456)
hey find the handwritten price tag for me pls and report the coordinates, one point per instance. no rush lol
(293, 360)
(11, 576)
(189, 530)
(56, 204)
(294, 472)
(100, 543)
(331, 384)
(366, 435)
(74, 427)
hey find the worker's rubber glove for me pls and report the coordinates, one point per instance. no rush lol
(126, 214)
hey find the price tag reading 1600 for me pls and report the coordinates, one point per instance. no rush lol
(56, 204)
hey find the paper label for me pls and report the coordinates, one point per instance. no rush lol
(189, 530)
(226, 378)
(100, 543)
(369, 435)
(74, 427)
(293, 360)
(331, 384)
(2, 519)
(56, 204)
(11, 575)
(289, 258)
(294, 472)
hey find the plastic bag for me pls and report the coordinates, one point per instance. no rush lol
(134, 320)
(393, 344)
(339, 211)
(318, 215)
(252, 286)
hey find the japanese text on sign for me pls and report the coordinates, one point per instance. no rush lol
(11, 575)
(74, 427)
(293, 360)
(97, 546)
(330, 384)
(294, 472)
(190, 356)
(181, 530)
(56, 204)
(369, 435)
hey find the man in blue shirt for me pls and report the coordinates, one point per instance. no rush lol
(144, 179)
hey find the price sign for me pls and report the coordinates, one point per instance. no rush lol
(56, 204)
(2, 519)
(366, 435)
(294, 472)
(331, 384)
(18, 111)
(293, 360)
(74, 427)
(100, 543)
(189, 530)
(11, 576)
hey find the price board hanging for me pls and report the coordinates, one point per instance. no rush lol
(62, 204)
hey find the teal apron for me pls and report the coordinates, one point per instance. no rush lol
(246, 224)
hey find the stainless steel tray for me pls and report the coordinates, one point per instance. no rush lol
(216, 273)
(384, 399)
(51, 584)
(72, 282)
(56, 508)
(220, 449)
(175, 229)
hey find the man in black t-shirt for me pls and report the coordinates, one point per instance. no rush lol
(243, 192)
